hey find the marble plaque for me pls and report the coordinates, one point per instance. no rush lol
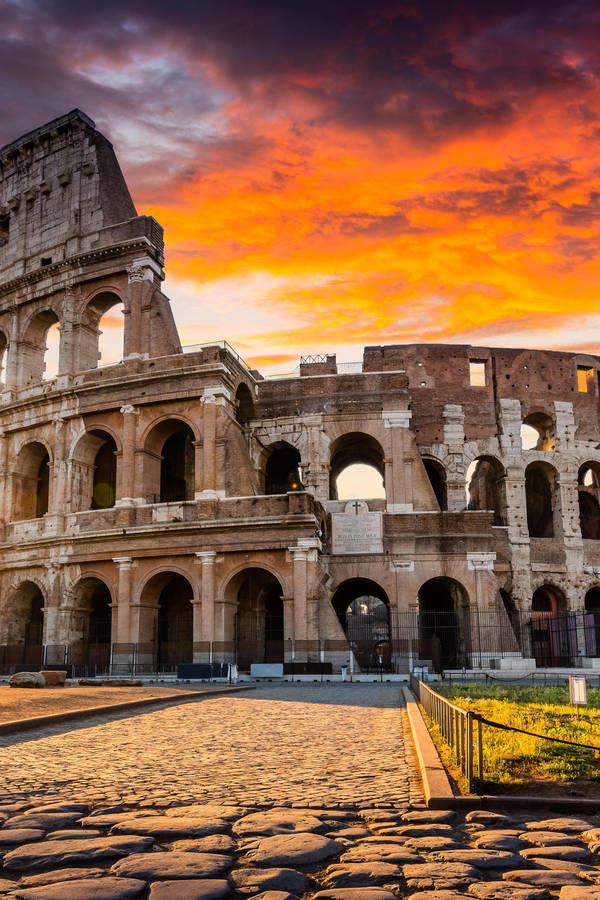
(357, 530)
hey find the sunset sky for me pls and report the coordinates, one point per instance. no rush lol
(331, 175)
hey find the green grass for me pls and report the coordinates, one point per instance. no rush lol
(513, 758)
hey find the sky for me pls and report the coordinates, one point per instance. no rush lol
(334, 175)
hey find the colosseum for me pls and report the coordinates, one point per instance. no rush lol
(177, 508)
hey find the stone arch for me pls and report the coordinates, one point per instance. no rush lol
(363, 610)
(31, 475)
(553, 630)
(23, 624)
(169, 459)
(33, 347)
(486, 487)
(444, 623)
(542, 500)
(255, 597)
(94, 311)
(94, 470)
(282, 469)
(436, 473)
(588, 486)
(167, 599)
(356, 449)
(244, 404)
(592, 621)
(538, 432)
(89, 626)
(3, 357)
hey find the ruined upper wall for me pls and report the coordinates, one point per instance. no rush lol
(60, 186)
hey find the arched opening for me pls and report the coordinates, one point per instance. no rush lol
(282, 472)
(39, 349)
(541, 494)
(169, 462)
(508, 604)
(444, 624)
(362, 607)
(244, 404)
(23, 631)
(538, 432)
(32, 482)
(3, 355)
(356, 468)
(592, 622)
(588, 486)
(101, 332)
(437, 477)
(94, 472)
(485, 487)
(168, 620)
(90, 623)
(258, 627)
(553, 629)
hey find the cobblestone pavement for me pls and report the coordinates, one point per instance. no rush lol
(288, 792)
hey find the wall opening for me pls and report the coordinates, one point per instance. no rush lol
(174, 624)
(259, 636)
(244, 404)
(32, 482)
(538, 432)
(592, 622)
(282, 471)
(437, 478)
(444, 624)
(553, 629)
(101, 334)
(23, 625)
(90, 625)
(169, 462)
(588, 486)
(477, 373)
(541, 493)
(93, 479)
(585, 379)
(39, 349)
(485, 487)
(356, 468)
(362, 607)
(3, 358)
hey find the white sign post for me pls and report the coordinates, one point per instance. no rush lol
(577, 691)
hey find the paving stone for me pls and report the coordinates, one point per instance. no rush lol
(573, 854)
(11, 836)
(60, 875)
(190, 889)
(585, 892)
(437, 895)
(497, 840)
(277, 821)
(54, 853)
(439, 816)
(275, 895)
(166, 864)
(562, 864)
(370, 852)
(546, 878)
(435, 829)
(250, 880)
(363, 874)
(72, 834)
(486, 817)
(214, 843)
(208, 811)
(567, 825)
(106, 820)
(49, 821)
(506, 890)
(86, 889)
(61, 806)
(440, 876)
(547, 838)
(364, 893)
(299, 849)
(165, 827)
(350, 833)
(482, 859)
(429, 844)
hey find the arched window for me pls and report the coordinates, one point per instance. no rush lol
(39, 349)
(170, 631)
(485, 487)
(101, 332)
(541, 492)
(356, 468)
(282, 472)
(362, 607)
(90, 623)
(444, 623)
(259, 618)
(538, 432)
(32, 477)
(588, 483)
(244, 409)
(94, 472)
(23, 625)
(3, 355)
(592, 622)
(169, 462)
(553, 630)
(437, 477)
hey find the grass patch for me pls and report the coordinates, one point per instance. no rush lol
(510, 758)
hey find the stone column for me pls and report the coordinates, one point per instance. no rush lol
(67, 354)
(4, 479)
(299, 559)
(454, 438)
(122, 609)
(212, 398)
(57, 487)
(224, 631)
(198, 468)
(13, 357)
(288, 628)
(204, 614)
(132, 313)
(398, 481)
(126, 459)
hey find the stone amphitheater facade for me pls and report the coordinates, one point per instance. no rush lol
(178, 506)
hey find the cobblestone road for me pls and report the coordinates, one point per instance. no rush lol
(291, 743)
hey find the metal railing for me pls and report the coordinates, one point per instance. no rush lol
(456, 727)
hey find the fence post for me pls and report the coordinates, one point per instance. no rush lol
(479, 749)
(469, 752)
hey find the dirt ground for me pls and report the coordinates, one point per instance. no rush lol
(23, 703)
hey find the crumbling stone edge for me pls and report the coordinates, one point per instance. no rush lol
(40, 721)
(438, 790)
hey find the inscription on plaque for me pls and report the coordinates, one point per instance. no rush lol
(356, 530)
